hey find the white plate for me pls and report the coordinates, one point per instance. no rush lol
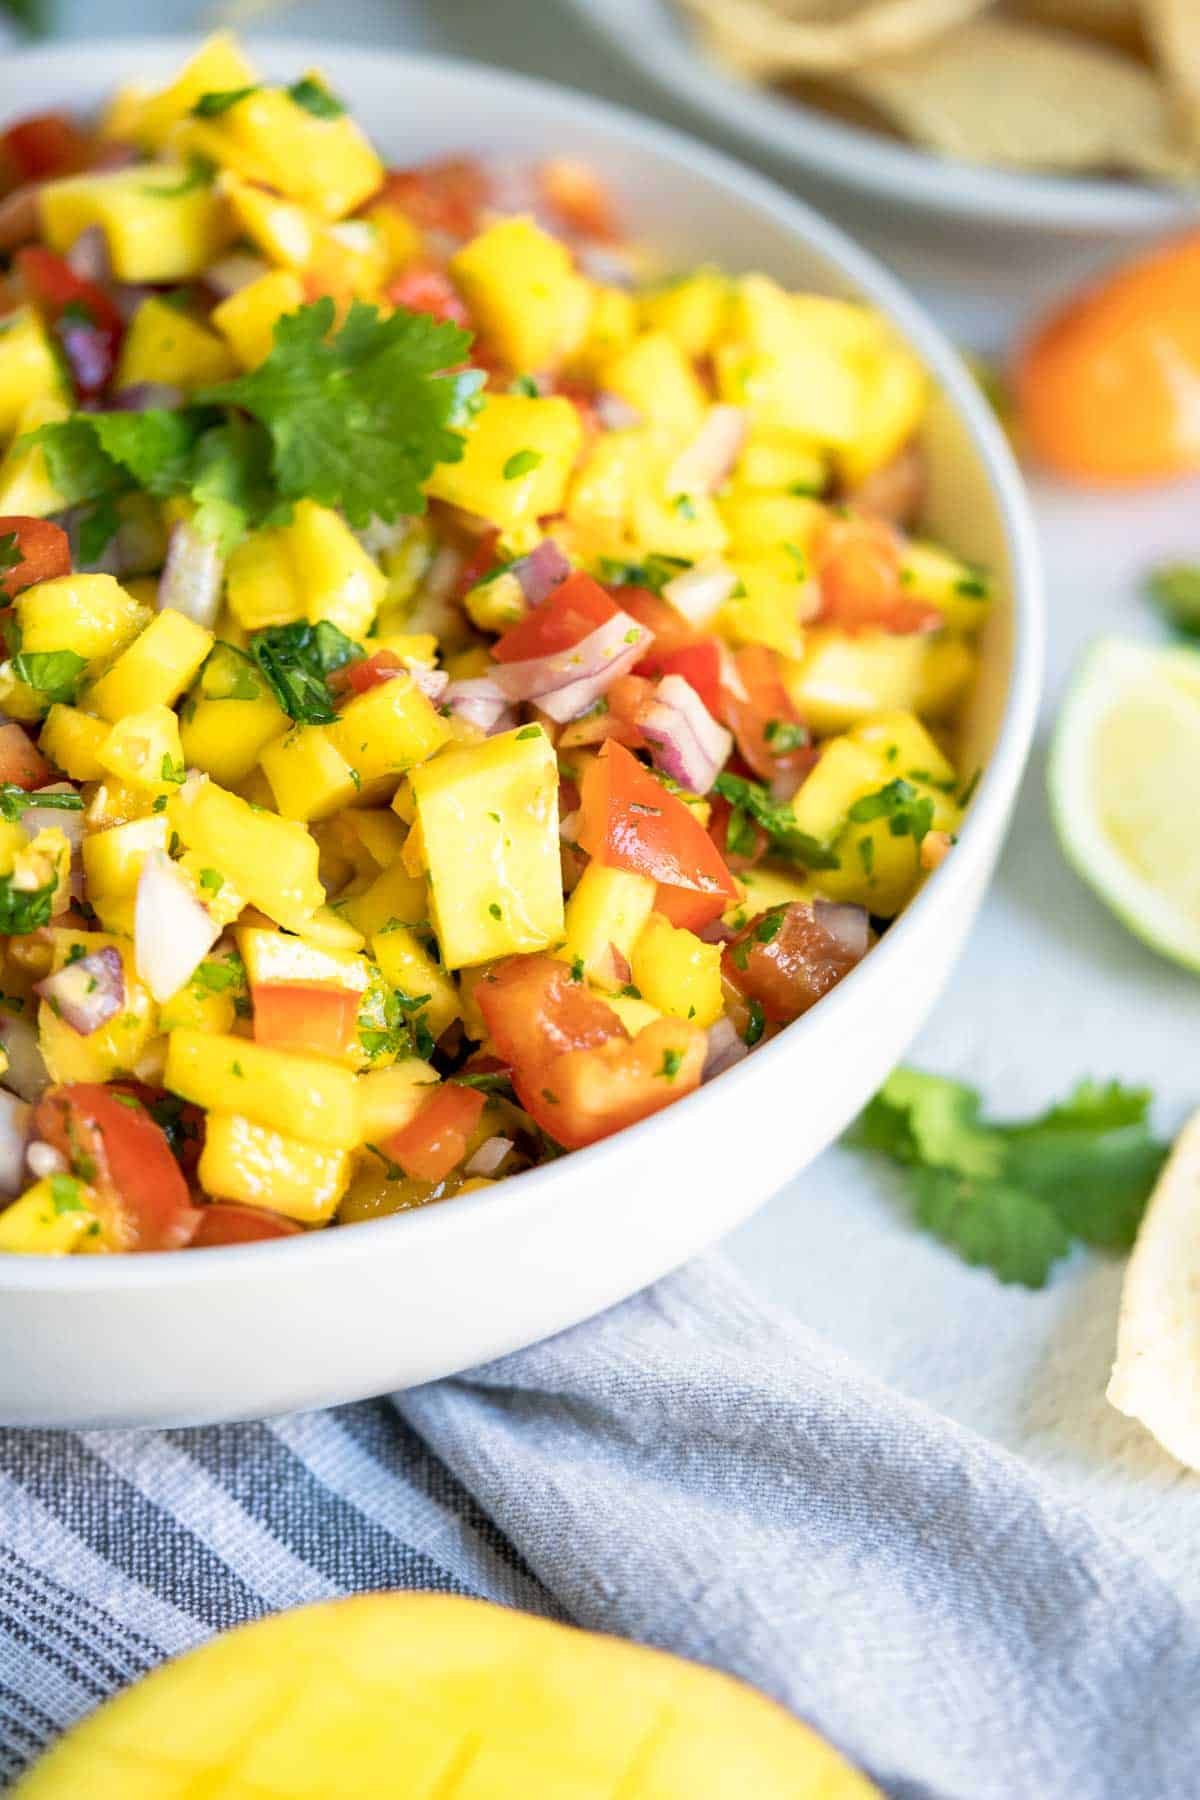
(654, 35)
(304, 1322)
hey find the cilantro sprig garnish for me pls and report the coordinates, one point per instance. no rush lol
(356, 419)
(295, 661)
(751, 800)
(1013, 1197)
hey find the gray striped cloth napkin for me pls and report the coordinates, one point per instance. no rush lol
(692, 1470)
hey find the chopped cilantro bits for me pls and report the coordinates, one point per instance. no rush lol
(672, 1062)
(522, 462)
(211, 106)
(315, 98)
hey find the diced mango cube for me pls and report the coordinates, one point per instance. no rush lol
(229, 717)
(387, 730)
(164, 344)
(391, 1096)
(677, 973)
(119, 1045)
(520, 285)
(72, 740)
(218, 67)
(29, 369)
(309, 776)
(155, 669)
(259, 1166)
(48, 1219)
(113, 859)
(261, 585)
(337, 579)
(248, 318)
(905, 748)
(656, 378)
(89, 614)
(606, 912)
(405, 964)
(841, 678)
(846, 770)
(272, 861)
(25, 484)
(161, 225)
(690, 311)
(394, 896)
(489, 821)
(143, 749)
(270, 136)
(960, 591)
(517, 458)
(301, 1096)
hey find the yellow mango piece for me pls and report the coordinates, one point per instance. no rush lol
(272, 861)
(72, 740)
(25, 484)
(841, 678)
(118, 1046)
(690, 311)
(895, 391)
(113, 859)
(523, 290)
(222, 901)
(517, 458)
(656, 378)
(905, 748)
(405, 964)
(765, 887)
(773, 599)
(781, 462)
(611, 325)
(248, 318)
(148, 119)
(846, 770)
(329, 931)
(89, 614)
(488, 818)
(689, 526)
(155, 669)
(394, 896)
(301, 1096)
(270, 137)
(259, 1166)
(29, 369)
(761, 524)
(338, 580)
(633, 1014)
(387, 730)
(309, 776)
(602, 489)
(112, 802)
(164, 344)
(676, 973)
(960, 592)
(400, 239)
(427, 1695)
(228, 718)
(389, 1098)
(280, 956)
(49, 1219)
(143, 749)
(946, 673)
(261, 584)
(285, 232)
(197, 1008)
(160, 224)
(877, 870)
(607, 911)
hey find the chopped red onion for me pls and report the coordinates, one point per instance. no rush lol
(43, 1160)
(541, 571)
(127, 296)
(172, 931)
(26, 1074)
(731, 675)
(568, 826)
(87, 993)
(147, 396)
(490, 1154)
(847, 925)
(716, 932)
(615, 413)
(479, 702)
(707, 461)
(90, 350)
(700, 592)
(685, 740)
(230, 274)
(442, 575)
(88, 256)
(725, 1048)
(432, 682)
(606, 264)
(611, 967)
(192, 574)
(567, 682)
(14, 1130)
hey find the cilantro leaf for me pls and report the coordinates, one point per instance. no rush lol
(777, 819)
(295, 661)
(358, 420)
(76, 462)
(219, 100)
(1014, 1196)
(231, 484)
(23, 910)
(315, 98)
(908, 813)
(55, 674)
(653, 572)
(10, 552)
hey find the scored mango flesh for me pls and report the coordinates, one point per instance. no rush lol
(432, 1697)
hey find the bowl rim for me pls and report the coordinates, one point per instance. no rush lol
(905, 175)
(521, 1194)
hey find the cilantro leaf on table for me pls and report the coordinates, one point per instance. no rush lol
(296, 660)
(753, 800)
(1014, 1196)
(358, 420)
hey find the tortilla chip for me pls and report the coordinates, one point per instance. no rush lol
(1005, 94)
(1117, 22)
(1156, 1376)
(1174, 28)
(771, 39)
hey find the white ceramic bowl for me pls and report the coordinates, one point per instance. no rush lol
(655, 35)
(303, 1322)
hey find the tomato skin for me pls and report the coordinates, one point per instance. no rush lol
(483, 557)
(310, 1017)
(44, 549)
(671, 630)
(427, 289)
(43, 146)
(534, 1009)
(447, 194)
(111, 1142)
(90, 343)
(1108, 387)
(766, 706)
(701, 666)
(791, 970)
(628, 820)
(572, 612)
(21, 762)
(433, 1143)
(360, 677)
(858, 568)
(225, 1222)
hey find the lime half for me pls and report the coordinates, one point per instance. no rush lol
(1125, 788)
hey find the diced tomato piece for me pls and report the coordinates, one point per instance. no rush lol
(427, 289)
(768, 729)
(305, 1016)
(435, 1141)
(858, 567)
(701, 665)
(788, 968)
(618, 718)
(180, 1120)
(482, 558)
(224, 1222)
(109, 1140)
(43, 550)
(534, 1009)
(630, 821)
(578, 198)
(671, 630)
(84, 319)
(21, 762)
(360, 677)
(445, 195)
(43, 147)
(572, 612)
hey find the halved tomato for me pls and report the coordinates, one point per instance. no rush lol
(572, 612)
(305, 1016)
(435, 1141)
(108, 1139)
(42, 552)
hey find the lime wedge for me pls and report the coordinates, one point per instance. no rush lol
(1125, 788)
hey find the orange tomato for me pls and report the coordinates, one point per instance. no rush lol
(1108, 388)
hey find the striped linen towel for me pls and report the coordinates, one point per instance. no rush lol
(692, 1469)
